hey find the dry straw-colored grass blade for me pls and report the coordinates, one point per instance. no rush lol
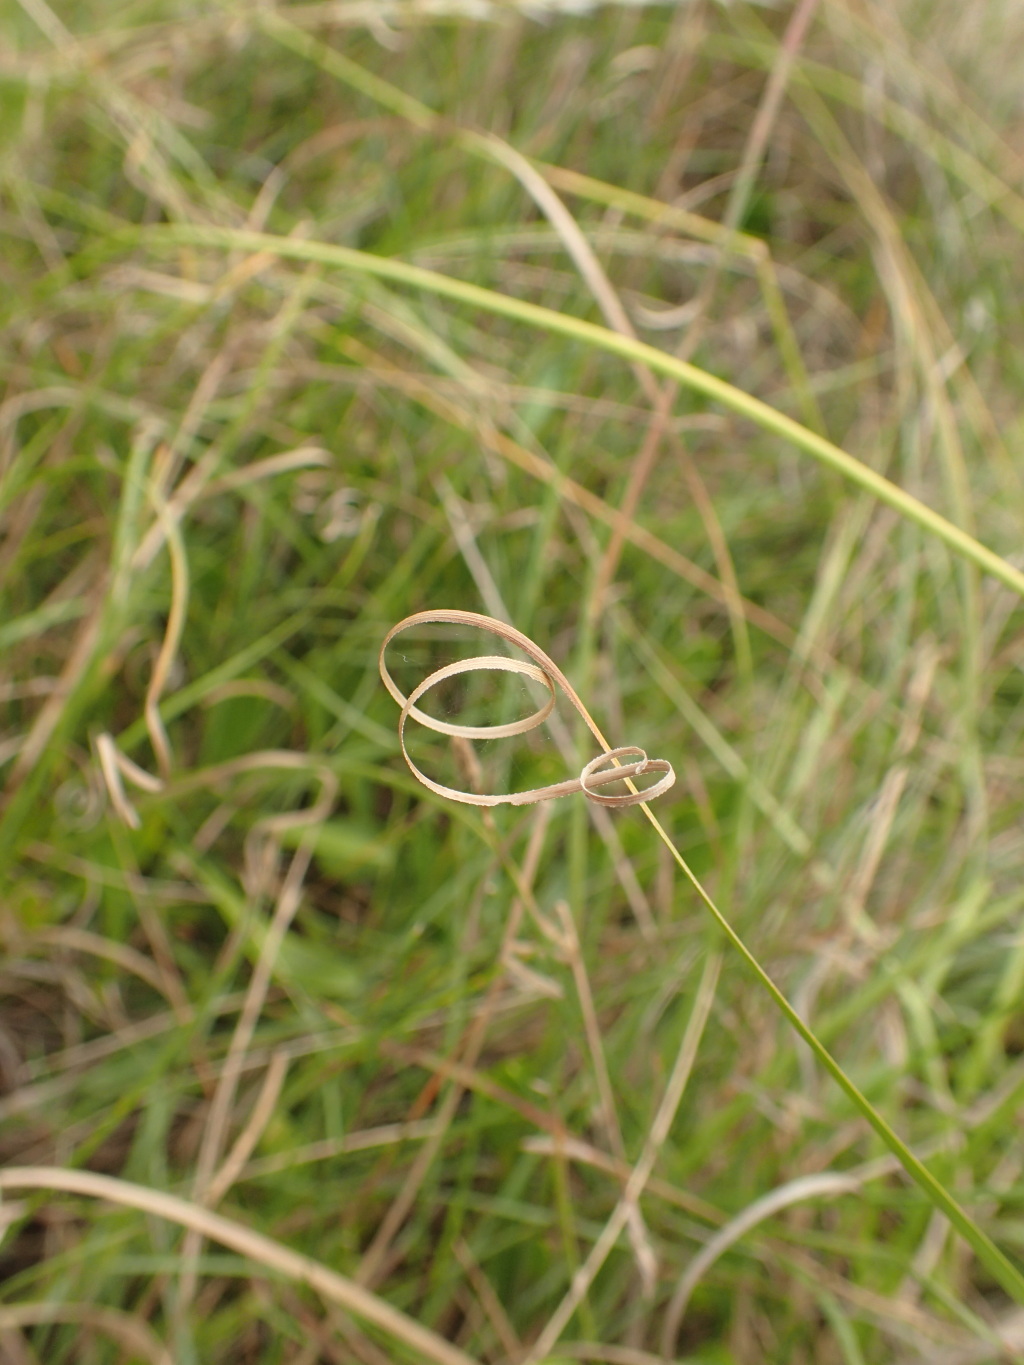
(543, 670)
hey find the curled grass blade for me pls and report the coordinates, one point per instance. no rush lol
(999, 1266)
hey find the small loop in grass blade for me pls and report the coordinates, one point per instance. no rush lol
(543, 670)
(592, 776)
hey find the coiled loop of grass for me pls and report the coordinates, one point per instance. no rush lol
(547, 672)
(543, 670)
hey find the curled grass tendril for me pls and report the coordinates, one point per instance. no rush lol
(543, 670)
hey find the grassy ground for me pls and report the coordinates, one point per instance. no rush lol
(505, 1082)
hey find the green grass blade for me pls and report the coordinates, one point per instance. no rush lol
(1002, 1269)
(579, 329)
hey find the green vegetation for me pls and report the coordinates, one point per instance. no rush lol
(686, 339)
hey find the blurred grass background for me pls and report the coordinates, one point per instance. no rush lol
(246, 959)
